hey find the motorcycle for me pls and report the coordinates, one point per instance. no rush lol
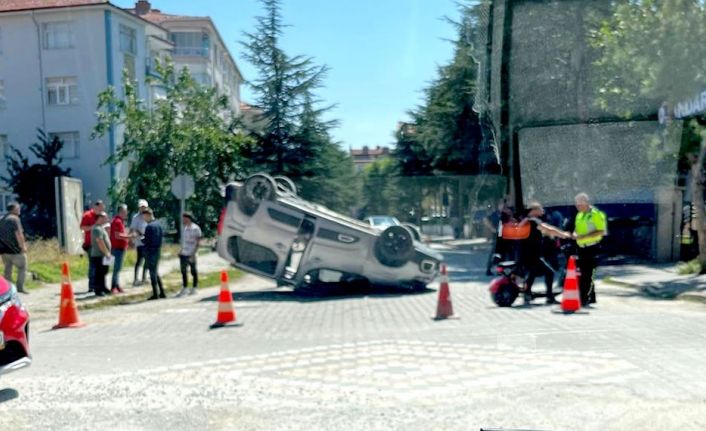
(510, 282)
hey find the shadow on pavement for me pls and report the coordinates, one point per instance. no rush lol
(326, 293)
(467, 265)
(666, 290)
(8, 394)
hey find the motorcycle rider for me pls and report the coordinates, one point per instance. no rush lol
(532, 258)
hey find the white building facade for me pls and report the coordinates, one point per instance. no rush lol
(199, 47)
(57, 56)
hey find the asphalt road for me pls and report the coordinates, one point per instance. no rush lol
(367, 361)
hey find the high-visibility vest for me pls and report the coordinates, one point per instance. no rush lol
(589, 222)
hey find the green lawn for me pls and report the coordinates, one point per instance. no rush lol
(45, 259)
(172, 285)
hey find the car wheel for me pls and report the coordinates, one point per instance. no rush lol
(394, 247)
(413, 231)
(506, 295)
(286, 185)
(257, 188)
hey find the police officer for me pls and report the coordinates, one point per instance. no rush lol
(590, 227)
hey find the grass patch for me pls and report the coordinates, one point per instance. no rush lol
(46, 256)
(172, 285)
(692, 267)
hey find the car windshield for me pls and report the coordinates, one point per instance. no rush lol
(371, 214)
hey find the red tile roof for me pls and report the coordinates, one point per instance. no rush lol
(18, 5)
(157, 17)
(371, 152)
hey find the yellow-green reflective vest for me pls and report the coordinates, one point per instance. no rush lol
(588, 222)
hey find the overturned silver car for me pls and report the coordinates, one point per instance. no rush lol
(268, 230)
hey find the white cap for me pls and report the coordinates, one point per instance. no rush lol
(142, 203)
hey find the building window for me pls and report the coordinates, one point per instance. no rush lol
(203, 79)
(4, 148)
(71, 142)
(128, 40)
(58, 35)
(62, 91)
(6, 198)
(129, 66)
(191, 43)
(2, 94)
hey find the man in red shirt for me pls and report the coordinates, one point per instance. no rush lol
(87, 222)
(119, 240)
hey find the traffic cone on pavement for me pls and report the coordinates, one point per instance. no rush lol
(68, 313)
(570, 300)
(444, 308)
(226, 311)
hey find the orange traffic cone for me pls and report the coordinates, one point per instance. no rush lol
(570, 300)
(444, 308)
(68, 313)
(226, 312)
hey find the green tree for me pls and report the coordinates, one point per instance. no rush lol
(291, 136)
(652, 52)
(283, 87)
(447, 136)
(381, 187)
(190, 131)
(34, 184)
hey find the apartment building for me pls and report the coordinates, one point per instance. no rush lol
(199, 47)
(366, 156)
(56, 56)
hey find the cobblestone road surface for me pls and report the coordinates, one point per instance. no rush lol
(368, 361)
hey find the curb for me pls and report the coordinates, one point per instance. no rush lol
(692, 297)
(655, 293)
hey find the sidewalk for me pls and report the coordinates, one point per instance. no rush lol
(44, 301)
(657, 281)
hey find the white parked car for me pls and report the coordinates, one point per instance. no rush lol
(267, 229)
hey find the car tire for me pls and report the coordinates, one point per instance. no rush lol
(413, 231)
(257, 188)
(506, 295)
(286, 185)
(394, 247)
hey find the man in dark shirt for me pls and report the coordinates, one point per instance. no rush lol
(12, 245)
(532, 251)
(153, 245)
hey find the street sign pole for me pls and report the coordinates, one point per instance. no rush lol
(182, 189)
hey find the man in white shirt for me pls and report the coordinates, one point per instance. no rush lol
(190, 239)
(137, 230)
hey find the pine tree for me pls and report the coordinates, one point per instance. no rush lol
(447, 137)
(282, 87)
(292, 137)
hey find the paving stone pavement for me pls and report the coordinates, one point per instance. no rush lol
(374, 360)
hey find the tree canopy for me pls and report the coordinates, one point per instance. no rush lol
(33, 183)
(190, 131)
(291, 136)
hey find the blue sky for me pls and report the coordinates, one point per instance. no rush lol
(382, 53)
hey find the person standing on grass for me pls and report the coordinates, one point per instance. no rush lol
(119, 240)
(190, 239)
(153, 247)
(87, 222)
(99, 252)
(137, 231)
(13, 247)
